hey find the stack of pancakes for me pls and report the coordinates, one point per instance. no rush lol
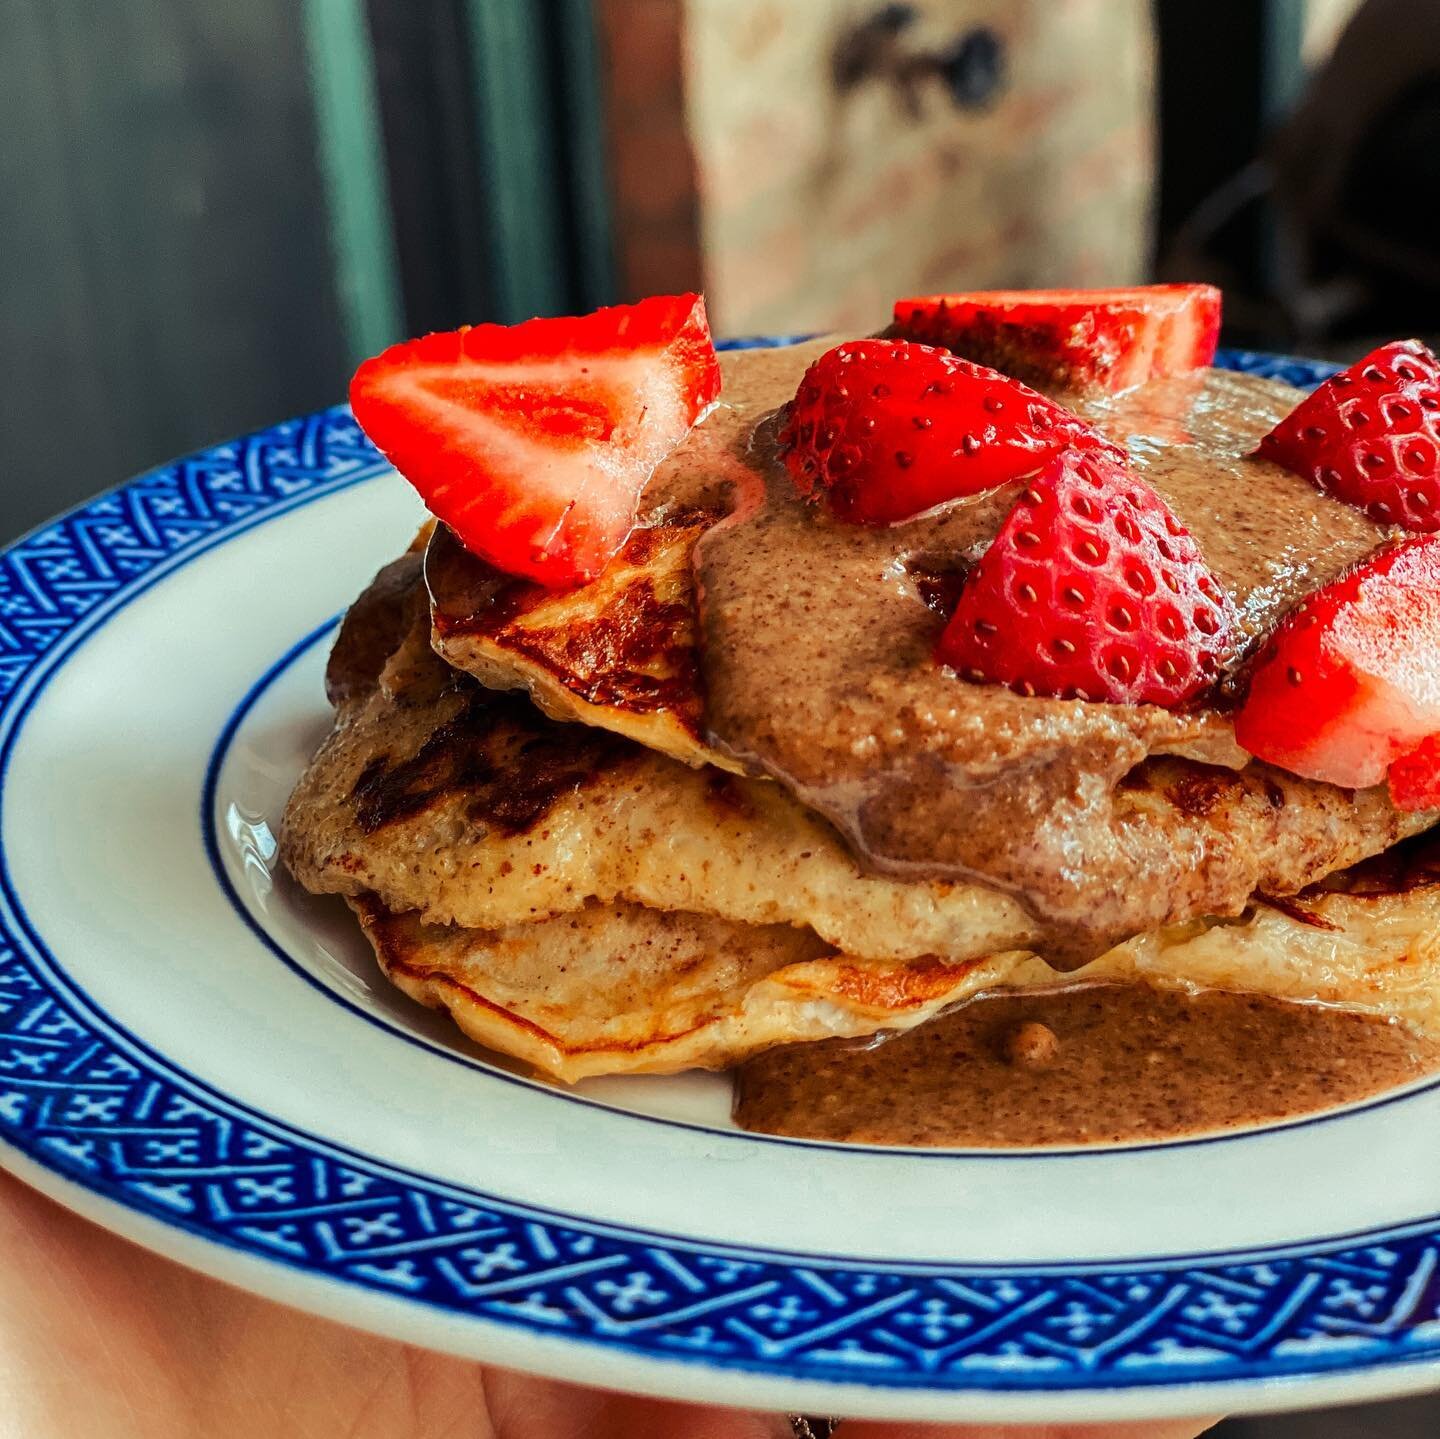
(523, 803)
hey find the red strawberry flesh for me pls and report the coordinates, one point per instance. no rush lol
(1092, 590)
(890, 430)
(1415, 777)
(534, 441)
(1083, 340)
(1350, 683)
(1371, 436)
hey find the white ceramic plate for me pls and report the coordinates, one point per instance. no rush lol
(200, 1057)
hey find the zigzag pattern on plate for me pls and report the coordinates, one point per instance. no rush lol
(92, 1105)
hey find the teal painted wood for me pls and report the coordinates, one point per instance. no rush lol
(347, 124)
(510, 49)
(1283, 65)
(582, 115)
(1282, 81)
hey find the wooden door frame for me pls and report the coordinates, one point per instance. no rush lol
(525, 225)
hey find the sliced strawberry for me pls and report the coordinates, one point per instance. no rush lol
(1082, 340)
(1092, 590)
(1371, 436)
(534, 441)
(892, 429)
(1350, 682)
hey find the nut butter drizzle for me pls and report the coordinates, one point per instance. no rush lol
(816, 652)
(815, 667)
(1100, 1064)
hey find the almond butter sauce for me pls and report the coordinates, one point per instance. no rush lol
(817, 658)
(1098, 1065)
(816, 667)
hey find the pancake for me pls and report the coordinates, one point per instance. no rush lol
(384, 615)
(470, 807)
(622, 989)
(591, 906)
(814, 667)
(1367, 940)
(619, 653)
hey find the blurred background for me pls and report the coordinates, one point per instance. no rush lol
(212, 210)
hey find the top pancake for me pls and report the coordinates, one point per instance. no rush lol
(804, 654)
(620, 653)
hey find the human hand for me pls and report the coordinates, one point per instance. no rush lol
(100, 1339)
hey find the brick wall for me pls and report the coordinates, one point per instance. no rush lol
(737, 163)
(653, 178)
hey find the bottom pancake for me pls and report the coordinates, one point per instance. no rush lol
(621, 989)
(614, 989)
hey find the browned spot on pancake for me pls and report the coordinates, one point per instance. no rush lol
(1202, 789)
(514, 764)
(612, 659)
(1291, 907)
(627, 641)
(895, 988)
(647, 541)
(1403, 868)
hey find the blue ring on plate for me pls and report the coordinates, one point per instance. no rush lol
(87, 1099)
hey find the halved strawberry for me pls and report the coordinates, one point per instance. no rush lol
(1371, 436)
(534, 441)
(1073, 339)
(1349, 684)
(1092, 590)
(892, 429)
